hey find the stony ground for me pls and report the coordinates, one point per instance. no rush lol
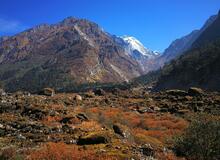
(134, 124)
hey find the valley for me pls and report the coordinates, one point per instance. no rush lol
(69, 90)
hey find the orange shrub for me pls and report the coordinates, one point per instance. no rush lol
(94, 110)
(61, 151)
(112, 112)
(90, 126)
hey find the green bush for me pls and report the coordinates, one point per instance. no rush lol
(201, 140)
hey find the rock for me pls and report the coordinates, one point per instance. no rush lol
(66, 120)
(147, 150)
(48, 92)
(176, 92)
(156, 109)
(78, 98)
(121, 130)
(195, 91)
(21, 137)
(188, 98)
(82, 117)
(94, 138)
(99, 92)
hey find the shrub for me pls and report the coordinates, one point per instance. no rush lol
(201, 140)
(62, 151)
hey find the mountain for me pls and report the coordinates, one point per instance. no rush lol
(63, 56)
(137, 51)
(197, 67)
(181, 45)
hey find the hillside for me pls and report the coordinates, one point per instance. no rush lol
(183, 44)
(63, 56)
(199, 66)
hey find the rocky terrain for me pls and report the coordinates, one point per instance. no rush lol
(119, 124)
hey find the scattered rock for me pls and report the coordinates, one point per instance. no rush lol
(195, 91)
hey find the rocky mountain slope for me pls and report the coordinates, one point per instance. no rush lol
(63, 55)
(198, 66)
(181, 45)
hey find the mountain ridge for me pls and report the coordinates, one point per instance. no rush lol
(73, 51)
(197, 67)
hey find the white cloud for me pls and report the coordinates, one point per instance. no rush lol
(11, 26)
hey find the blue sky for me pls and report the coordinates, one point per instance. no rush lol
(156, 23)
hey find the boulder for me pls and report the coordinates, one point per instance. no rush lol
(94, 138)
(193, 91)
(48, 92)
(121, 130)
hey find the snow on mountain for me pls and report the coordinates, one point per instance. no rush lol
(134, 45)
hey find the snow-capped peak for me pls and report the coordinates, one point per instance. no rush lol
(135, 44)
